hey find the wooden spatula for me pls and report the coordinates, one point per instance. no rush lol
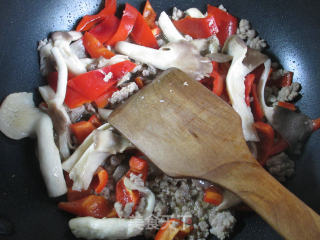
(189, 132)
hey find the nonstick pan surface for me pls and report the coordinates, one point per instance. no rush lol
(291, 28)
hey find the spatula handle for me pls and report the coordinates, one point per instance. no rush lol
(287, 214)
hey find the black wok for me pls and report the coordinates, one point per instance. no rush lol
(291, 27)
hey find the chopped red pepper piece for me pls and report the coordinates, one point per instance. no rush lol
(248, 86)
(103, 100)
(227, 24)
(219, 75)
(93, 84)
(287, 105)
(197, 27)
(100, 180)
(92, 205)
(73, 195)
(149, 15)
(169, 230)
(81, 130)
(280, 146)
(212, 196)
(95, 121)
(184, 231)
(142, 34)
(88, 21)
(73, 99)
(106, 29)
(126, 25)
(138, 166)
(94, 47)
(255, 105)
(284, 81)
(139, 82)
(266, 135)
(316, 124)
(125, 195)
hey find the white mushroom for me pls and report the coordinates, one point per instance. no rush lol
(62, 40)
(268, 111)
(96, 148)
(19, 118)
(244, 61)
(168, 29)
(194, 13)
(170, 56)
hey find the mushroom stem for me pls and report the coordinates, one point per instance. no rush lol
(49, 158)
(168, 29)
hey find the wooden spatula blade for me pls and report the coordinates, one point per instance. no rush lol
(176, 120)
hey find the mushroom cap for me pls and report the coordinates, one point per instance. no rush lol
(18, 115)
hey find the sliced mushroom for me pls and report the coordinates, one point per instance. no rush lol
(244, 61)
(194, 13)
(169, 56)
(19, 118)
(168, 28)
(62, 40)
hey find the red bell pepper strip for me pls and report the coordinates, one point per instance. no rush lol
(316, 124)
(125, 195)
(138, 166)
(255, 105)
(88, 21)
(139, 82)
(169, 230)
(81, 130)
(73, 99)
(149, 15)
(94, 47)
(142, 34)
(248, 86)
(126, 25)
(197, 27)
(92, 205)
(92, 84)
(287, 105)
(106, 29)
(73, 195)
(284, 81)
(266, 135)
(95, 121)
(100, 180)
(103, 100)
(219, 75)
(212, 196)
(278, 147)
(227, 24)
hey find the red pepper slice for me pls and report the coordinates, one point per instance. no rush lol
(92, 84)
(279, 146)
(142, 34)
(81, 130)
(266, 135)
(95, 121)
(248, 86)
(106, 29)
(316, 124)
(284, 81)
(73, 195)
(256, 108)
(88, 21)
(126, 25)
(149, 15)
(227, 24)
(92, 205)
(139, 82)
(103, 100)
(287, 105)
(94, 47)
(125, 195)
(212, 196)
(219, 75)
(169, 230)
(73, 99)
(100, 180)
(197, 27)
(138, 166)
